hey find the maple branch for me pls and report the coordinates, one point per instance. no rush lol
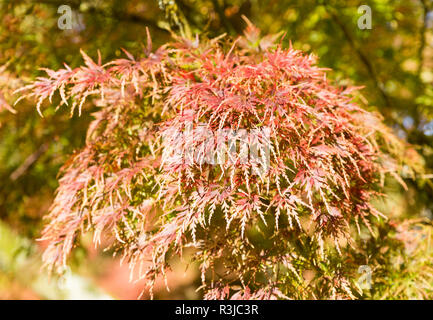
(125, 16)
(113, 14)
(364, 59)
(422, 37)
(175, 17)
(28, 162)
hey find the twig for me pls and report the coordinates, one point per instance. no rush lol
(113, 14)
(28, 162)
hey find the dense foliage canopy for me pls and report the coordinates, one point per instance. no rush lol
(334, 186)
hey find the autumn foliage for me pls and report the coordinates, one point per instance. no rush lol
(292, 230)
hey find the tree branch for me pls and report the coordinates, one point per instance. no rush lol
(422, 37)
(29, 162)
(362, 57)
(115, 13)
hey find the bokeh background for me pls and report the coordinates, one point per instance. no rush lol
(392, 60)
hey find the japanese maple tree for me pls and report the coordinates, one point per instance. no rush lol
(289, 222)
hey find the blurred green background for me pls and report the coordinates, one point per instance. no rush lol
(393, 60)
